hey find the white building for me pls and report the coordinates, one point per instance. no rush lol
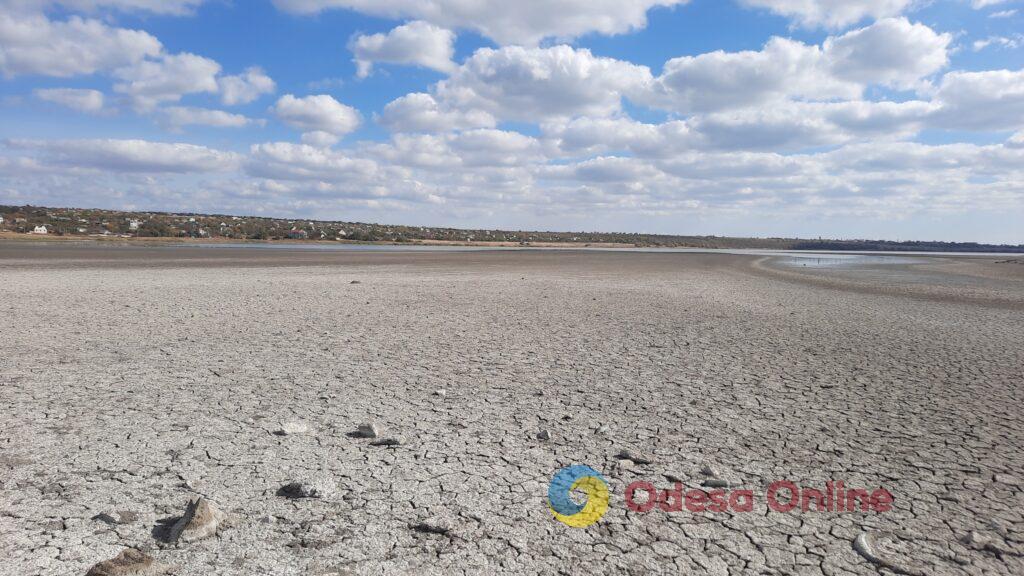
(133, 225)
(40, 230)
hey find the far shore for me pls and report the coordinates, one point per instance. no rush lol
(19, 237)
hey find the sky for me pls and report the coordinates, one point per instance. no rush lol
(894, 119)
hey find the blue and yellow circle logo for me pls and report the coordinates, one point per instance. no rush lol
(582, 478)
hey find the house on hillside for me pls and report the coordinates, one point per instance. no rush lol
(40, 230)
(297, 234)
(1, 220)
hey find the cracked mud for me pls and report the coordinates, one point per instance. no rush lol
(404, 413)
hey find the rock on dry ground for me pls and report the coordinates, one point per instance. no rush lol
(134, 380)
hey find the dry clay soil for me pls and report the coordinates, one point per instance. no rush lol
(135, 379)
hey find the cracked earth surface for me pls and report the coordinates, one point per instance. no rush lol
(133, 380)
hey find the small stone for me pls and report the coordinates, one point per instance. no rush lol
(292, 428)
(634, 458)
(673, 477)
(105, 518)
(387, 442)
(296, 490)
(130, 562)
(976, 540)
(871, 545)
(710, 470)
(603, 429)
(544, 435)
(355, 282)
(367, 431)
(320, 488)
(442, 393)
(717, 483)
(435, 526)
(1006, 479)
(201, 520)
(127, 517)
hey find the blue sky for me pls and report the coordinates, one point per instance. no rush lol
(866, 118)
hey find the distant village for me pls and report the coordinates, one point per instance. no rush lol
(108, 223)
(95, 223)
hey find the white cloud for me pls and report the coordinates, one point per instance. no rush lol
(417, 43)
(33, 44)
(891, 52)
(419, 112)
(525, 22)
(784, 126)
(320, 113)
(79, 99)
(726, 80)
(990, 100)
(534, 84)
(287, 161)
(583, 136)
(152, 82)
(179, 116)
(320, 139)
(832, 13)
(246, 87)
(1010, 43)
(130, 155)
(979, 4)
(487, 147)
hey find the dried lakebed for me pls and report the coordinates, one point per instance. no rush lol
(223, 411)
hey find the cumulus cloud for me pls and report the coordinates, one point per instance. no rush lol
(892, 52)
(317, 114)
(33, 44)
(419, 112)
(130, 155)
(152, 82)
(832, 13)
(724, 80)
(80, 99)
(417, 43)
(180, 116)
(287, 161)
(526, 22)
(788, 126)
(245, 87)
(989, 100)
(320, 139)
(535, 84)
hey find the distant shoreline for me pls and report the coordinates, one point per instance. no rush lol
(163, 228)
(228, 243)
(19, 237)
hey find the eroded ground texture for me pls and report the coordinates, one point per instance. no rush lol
(133, 380)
